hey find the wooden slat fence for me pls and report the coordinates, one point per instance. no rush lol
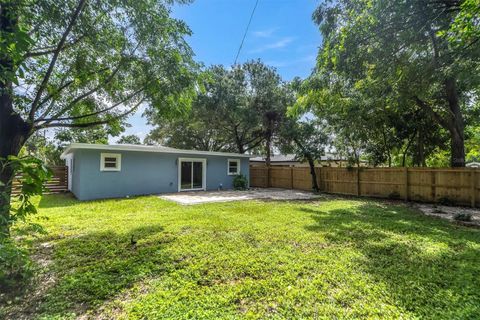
(459, 186)
(57, 184)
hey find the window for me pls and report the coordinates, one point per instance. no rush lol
(110, 161)
(233, 167)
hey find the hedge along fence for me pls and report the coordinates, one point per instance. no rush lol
(57, 184)
(459, 186)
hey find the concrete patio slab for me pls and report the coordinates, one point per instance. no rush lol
(197, 197)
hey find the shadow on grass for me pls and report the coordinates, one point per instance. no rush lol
(430, 267)
(93, 268)
(57, 200)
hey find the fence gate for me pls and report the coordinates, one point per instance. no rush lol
(57, 184)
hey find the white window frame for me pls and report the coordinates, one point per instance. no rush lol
(204, 173)
(118, 158)
(238, 167)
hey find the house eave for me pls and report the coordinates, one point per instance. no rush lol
(141, 148)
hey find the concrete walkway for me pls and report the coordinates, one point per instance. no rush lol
(197, 197)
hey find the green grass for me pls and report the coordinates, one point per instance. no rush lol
(331, 258)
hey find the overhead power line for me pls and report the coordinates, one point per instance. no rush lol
(246, 31)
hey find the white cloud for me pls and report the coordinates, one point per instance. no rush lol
(282, 43)
(288, 63)
(264, 33)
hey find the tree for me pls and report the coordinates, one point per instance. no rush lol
(465, 29)
(366, 121)
(224, 106)
(79, 63)
(473, 145)
(129, 139)
(307, 140)
(229, 100)
(410, 48)
(196, 130)
(97, 135)
(270, 97)
(238, 110)
(40, 147)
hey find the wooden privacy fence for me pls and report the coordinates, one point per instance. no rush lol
(57, 184)
(459, 186)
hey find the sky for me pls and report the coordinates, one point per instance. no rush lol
(281, 34)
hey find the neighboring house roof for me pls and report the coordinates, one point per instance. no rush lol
(291, 158)
(276, 158)
(473, 165)
(142, 148)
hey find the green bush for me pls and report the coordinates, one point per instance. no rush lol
(394, 195)
(446, 201)
(240, 182)
(15, 266)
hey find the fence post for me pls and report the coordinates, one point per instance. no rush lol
(291, 177)
(473, 187)
(358, 181)
(405, 172)
(319, 178)
(268, 176)
(63, 176)
(434, 187)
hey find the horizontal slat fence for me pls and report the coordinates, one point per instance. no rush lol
(459, 186)
(57, 184)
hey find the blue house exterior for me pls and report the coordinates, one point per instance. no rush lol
(114, 171)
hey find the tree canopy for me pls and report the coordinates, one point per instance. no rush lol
(84, 63)
(386, 63)
(129, 139)
(239, 110)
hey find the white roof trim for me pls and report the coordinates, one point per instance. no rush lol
(141, 148)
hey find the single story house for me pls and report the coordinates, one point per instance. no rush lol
(98, 171)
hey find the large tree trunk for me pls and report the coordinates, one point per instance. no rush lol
(238, 141)
(268, 151)
(13, 133)
(13, 130)
(453, 122)
(456, 125)
(420, 161)
(311, 163)
(409, 142)
(268, 138)
(457, 145)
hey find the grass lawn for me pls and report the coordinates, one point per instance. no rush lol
(329, 258)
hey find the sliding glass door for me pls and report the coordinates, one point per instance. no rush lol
(186, 176)
(192, 174)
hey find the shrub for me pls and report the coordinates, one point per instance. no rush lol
(446, 201)
(463, 216)
(15, 266)
(240, 182)
(394, 195)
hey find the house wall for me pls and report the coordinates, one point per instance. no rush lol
(142, 173)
